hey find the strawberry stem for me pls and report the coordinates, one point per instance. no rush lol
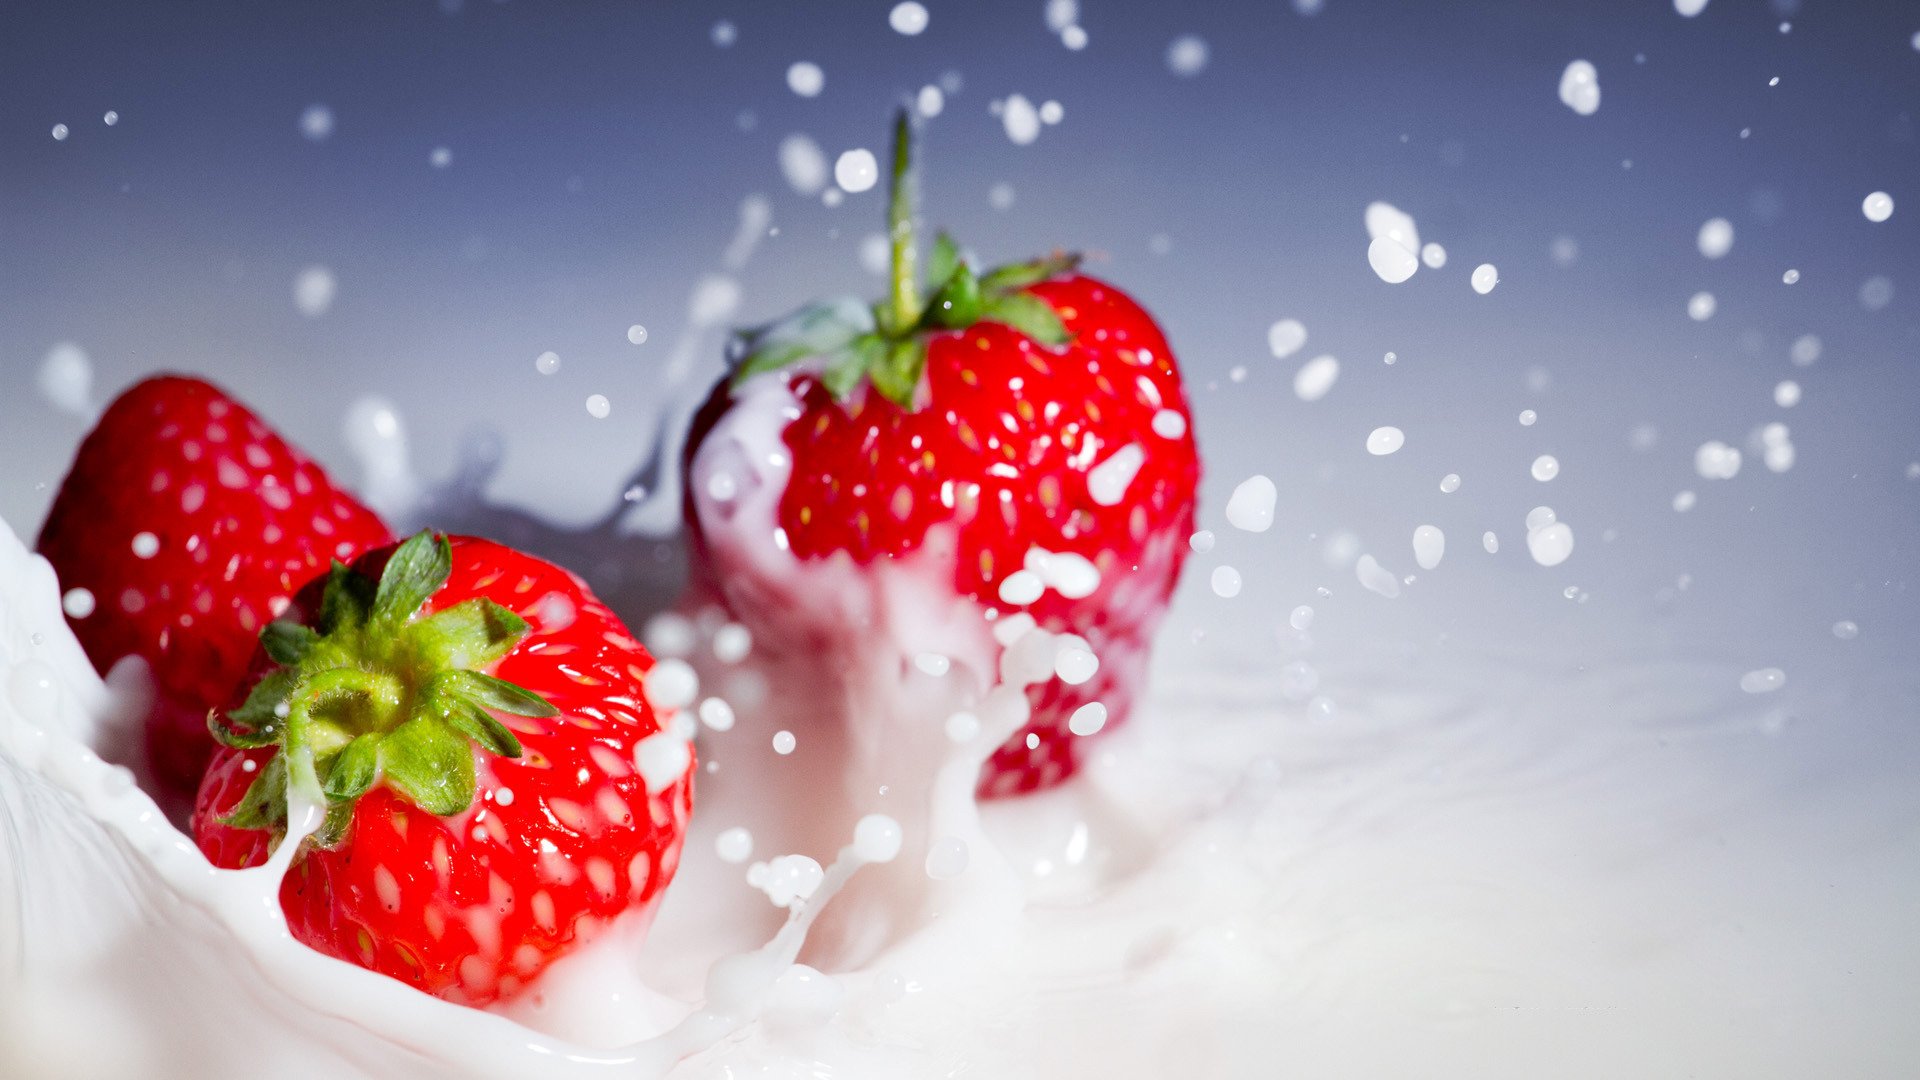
(907, 303)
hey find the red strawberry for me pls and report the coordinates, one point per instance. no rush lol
(191, 524)
(468, 670)
(1030, 408)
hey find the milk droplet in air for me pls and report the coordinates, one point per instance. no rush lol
(1689, 8)
(1528, 417)
(733, 845)
(1169, 424)
(1878, 206)
(1226, 582)
(547, 363)
(1429, 546)
(1392, 261)
(806, 79)
(1250, 508)
(598, 406)
(1716, 238)
(1315, 378)
(1449, 483)
(1545, 467)
(908, 18)
(1716, 460)
(1187, 56)
(1540, 517)
(671, 684)
(1580, 88)
(78, 603)
(1786, 394)
(856, 171)
(1088, 719)
(1763, 680)
(1846, 630)
(66, 379)
(716, 714)
(1805, 350)
(804, 164)
(313, 290)
(1551, 546)
(1485, 277)
(1285, 337)
(1490, 542)
(784, 742)
(1301, 617)
(1701, 307)
(1376, 578)
(947, 858)
(1020, 120)
(876, 838)
(1434, 256)
(1684, 501)
(1201, 541)
(1109, 480)
(662, 758)
(1385, 440)
(316, 123)
(1388, 220)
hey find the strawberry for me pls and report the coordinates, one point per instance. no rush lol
(1034, 411)
(191, 523)
(497, 788)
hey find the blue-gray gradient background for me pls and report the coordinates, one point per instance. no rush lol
(600, 153)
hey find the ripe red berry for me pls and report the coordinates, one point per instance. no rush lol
(497, 788)
(189, 524)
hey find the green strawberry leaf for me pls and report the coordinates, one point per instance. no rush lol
(287, 642)
(264, 806)
(419, 568)
(491, 693)
(470, 634)
(477, 724)
(259, 715)
(958, 304)
(897, 378)
(431, 763)
(347, 598)
(1020, 275)
(1028, 314)
(944, 260)
(354, 769)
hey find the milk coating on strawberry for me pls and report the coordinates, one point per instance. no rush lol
(1035, 413)
(499, 790)
(190, 524)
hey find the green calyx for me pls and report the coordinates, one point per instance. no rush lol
(885, 345)
(376, 692)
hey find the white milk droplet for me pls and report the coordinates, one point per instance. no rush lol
(804, 164)
(1315, 378)
(1545, 467)
(77, 603)
(1716, 460)
(1285, 337)
(856, 171)
(145, 545)
(1689, 8)
(1187, 56)
(1250, 508)
(784, 742)
(1490, 542)
(1540, 517)
(806, 79)
(1376, 578)
(313, 290)
(662, 758)
(598, 406)
(733, 845)
(1551, 546)
(1169, 424)
(547, 363)
(1485, 277)
(1226, 582)
(1763, 680)
(671, 684)
(1580, 88)
(1385, 440)
(1390, 259)
(1716, 238)
(1805, 350)
(716, 714)
(66, 378)
(1088, 719)
(1301, 617)
(1701, 307)
(316, 123)
(1684, 501)
(1107, 483)
(1846, 630)
(1878, 206)
(1020, 120)
(876, 838)
(1020, 588)
(1434, 256)
(908, 17)
(637, 334)
(1201, 541)
(947, 858)
(1449, 483)
(1786, 394)
(1429, 546)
